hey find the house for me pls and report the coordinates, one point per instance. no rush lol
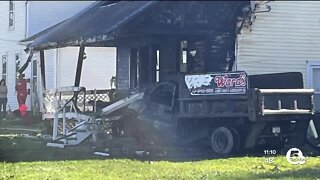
(23, 19)
(285, 39)
(154, 39)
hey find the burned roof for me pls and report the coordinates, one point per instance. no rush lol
(106, 21)
(93, 24)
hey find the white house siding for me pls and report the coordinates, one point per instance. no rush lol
(282, 40)
(43, 14)
(8, 45)
(97, 68)
(30, 18)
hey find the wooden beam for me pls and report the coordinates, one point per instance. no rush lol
(42, 68)
(182, 32)
(79, 67)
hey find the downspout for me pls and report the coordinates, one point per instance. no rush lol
(26, 20)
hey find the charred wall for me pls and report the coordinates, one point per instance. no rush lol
(208, 27)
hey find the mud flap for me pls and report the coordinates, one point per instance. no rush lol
(316, 122)
(253, 134)
(300, 138)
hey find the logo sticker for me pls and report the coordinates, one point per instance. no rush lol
(295, 156)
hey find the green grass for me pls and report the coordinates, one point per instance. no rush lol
(233, 168)
(29, 158)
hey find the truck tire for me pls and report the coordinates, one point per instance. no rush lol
(224, 141)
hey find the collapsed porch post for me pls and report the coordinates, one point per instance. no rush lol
(79, 67)
(25, 65)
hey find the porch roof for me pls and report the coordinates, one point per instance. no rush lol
(96, 23)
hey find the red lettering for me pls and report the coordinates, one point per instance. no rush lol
(225, 81)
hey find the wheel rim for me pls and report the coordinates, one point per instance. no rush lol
(222, 141)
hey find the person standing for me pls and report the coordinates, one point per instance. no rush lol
(21, 89)
(3, 98)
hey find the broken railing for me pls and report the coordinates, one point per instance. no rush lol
(85, 101)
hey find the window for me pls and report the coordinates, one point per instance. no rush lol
(316, 79)
(11, 15)
(18, 64)
(184, 58)
(4, 67)
(313, 79)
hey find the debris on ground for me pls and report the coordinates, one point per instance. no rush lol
(101, 154)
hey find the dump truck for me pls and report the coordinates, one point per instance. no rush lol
(231, 111)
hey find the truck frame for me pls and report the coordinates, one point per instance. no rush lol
(230, 118)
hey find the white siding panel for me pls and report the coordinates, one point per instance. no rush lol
(9, 39)
(50, 67)
(282, 40)
(97, 69)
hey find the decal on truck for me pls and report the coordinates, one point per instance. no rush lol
(217, 83)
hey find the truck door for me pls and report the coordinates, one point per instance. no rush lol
(159, 110)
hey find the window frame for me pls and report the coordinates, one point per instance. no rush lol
(17, 69)
(309, 75)
(11, 11)
(4, 75)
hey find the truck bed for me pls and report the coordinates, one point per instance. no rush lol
(256, 104)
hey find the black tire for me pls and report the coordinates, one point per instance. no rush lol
(237, 142)
(224, 141)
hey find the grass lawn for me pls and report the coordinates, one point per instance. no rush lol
(29, 158)
(232, 168)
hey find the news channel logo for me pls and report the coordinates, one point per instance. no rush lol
(295, 156)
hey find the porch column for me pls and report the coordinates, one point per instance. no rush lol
(42, 69)
(133, 68)
(143, 63)
(152, 64)
(79, 67)
(123, 71)
(168, 59)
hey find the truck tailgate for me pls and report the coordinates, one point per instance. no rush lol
(284, 102)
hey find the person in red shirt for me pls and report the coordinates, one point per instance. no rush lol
(21, 89)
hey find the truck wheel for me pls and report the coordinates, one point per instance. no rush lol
(224, 141)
